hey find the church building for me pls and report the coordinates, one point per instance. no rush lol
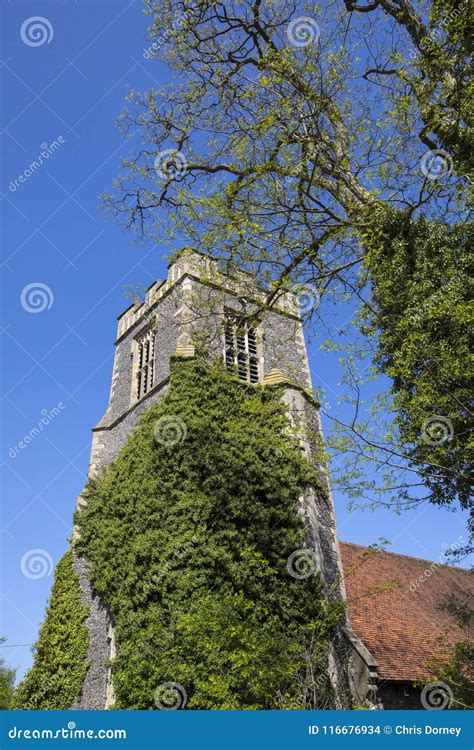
(379, 656)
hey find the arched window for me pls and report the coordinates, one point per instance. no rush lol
(145, 363)
(241, 349)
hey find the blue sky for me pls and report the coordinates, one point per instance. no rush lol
(70, 90)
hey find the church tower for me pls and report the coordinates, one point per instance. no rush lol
(200, 308)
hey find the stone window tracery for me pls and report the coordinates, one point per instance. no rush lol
(241, 350)
(146, 362)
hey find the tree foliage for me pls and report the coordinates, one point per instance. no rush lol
(188, 535)
(422, 317)
(439, 80)
(289, 138)
(454, 666)
(60, 654)
(7, 681)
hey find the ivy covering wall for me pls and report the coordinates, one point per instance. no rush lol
(188, 535)
(60, 654)
(421, 315)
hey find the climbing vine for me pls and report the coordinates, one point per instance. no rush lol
(56, 677)
(420, 315)
(188, 535)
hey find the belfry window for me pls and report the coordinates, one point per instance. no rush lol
(241, 349)
(145, 365)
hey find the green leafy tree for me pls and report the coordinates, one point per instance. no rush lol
(435, 77)
(419, 322)
(422, 318)
(292, 138)
(7, 681)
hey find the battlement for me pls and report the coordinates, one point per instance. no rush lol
(195, 265)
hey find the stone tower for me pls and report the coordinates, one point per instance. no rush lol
(197, 307)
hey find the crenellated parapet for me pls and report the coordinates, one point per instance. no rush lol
(191, 264)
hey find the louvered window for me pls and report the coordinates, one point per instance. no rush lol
(145, 367)
(241, 349)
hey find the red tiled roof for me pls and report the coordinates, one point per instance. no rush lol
(400, 625)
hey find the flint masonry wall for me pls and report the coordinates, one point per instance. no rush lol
(197, 307)
(94, 689)
(318, 506)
